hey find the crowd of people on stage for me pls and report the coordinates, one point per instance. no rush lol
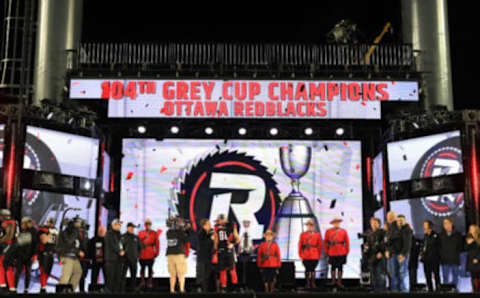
(391, 252)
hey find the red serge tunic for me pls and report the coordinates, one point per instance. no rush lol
(268, 255)
(336, 242)
(310, 246)
(151, 244)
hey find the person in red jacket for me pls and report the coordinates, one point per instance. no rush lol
(310, 251)
(150, 250)
(268, 260)
(336, 247)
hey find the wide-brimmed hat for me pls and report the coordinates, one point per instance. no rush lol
(148, 221)
(336, 219)
(268, 232)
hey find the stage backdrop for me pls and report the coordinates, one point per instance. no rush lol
(244, 179)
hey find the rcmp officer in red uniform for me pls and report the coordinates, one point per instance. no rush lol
(268, 260)
(337, 248)
(310, 251)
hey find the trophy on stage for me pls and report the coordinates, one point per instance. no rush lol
(295, 210)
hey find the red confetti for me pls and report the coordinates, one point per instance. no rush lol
(173, 182)
(174, 159)
(393, 82)
(363, 103)
(136, 206)
(345, 143)
(163, 169)
(129, 175)
(139, 156)
(357, 166)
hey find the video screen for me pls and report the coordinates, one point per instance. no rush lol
(106, 171)
(59, 152)
(103, 216)
(380, 213)
(430, 156)
(377, 173)
(416, 211)
(245, 180)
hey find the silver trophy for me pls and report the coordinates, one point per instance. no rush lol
(295, 210)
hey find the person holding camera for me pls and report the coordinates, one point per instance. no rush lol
(310, 252)
(69, 251)
(269, 260)
(430, 255)
(375, 253)
(114, 252)
(205, 250)
(133, 248)
(177, 239)
(473, 256)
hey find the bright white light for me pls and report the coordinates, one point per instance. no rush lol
(174, 129)
(50, 115)
(242, 131)
(142, 129)
(208, 130)
(87, 185)
(308, 131)
(273, 131)
(339, 131)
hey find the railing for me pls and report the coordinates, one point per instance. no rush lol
(384, 55)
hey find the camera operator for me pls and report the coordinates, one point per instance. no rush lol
(113, 258)
(47, 236)
(177, 240)
(69, 250)
(375, 253)
(205, 251)
(430, 255)
(96, 251)
(133, 247)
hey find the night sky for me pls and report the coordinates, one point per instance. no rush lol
(139, 21)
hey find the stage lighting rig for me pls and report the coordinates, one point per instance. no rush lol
(242, 131)
(174, 130)
(340, 131)
(308, 131)
(273, 131)
(141, 129)
(208, 130)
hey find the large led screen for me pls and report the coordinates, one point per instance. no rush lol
(429, 156)
(377, 172)
(245, 180)
(59, 152)
(416, 213)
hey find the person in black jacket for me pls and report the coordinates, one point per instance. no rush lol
(83, 227)
(113, 258)
(390, 228)
(451, 245)
(473, 258)
(205, 250)
(96, 252)
(133, 247)
(69, 250)
(375, 252)
(398, 251)
(430, 255)
(177, 239)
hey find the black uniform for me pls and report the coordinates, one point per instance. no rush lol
(416, 246)
(430, 256)
(96, 253)
(22, 253)
(85, 261)
(473, 250)
(450, 248)
(226, 255)
(113, 261)
(205, 252)
(133, 247)
(45, 253)
(375, 245)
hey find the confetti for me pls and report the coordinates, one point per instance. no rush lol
(326, 147)
(345, 143)
(154, 149)
(147, 105)
(318, 200)
(342, 213)
(357, 167)
(163, 169)
(218, 147)
(129, 175)
(174, 159)
(405, 157)
(338, 173)
(351, 189)
(136, 206)
(363, 103)
(332, 204)
(393, 82)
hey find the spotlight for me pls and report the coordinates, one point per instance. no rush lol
(174, 129)
(208, 130)
(141, 129)
(87, 185)
(340, 131)
(273, 131)
(308, 131)
(242, 131)
(50, 115)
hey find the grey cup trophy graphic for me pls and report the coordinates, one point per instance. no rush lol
(295, 210)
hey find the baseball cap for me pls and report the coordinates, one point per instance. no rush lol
(148, 220)
(130, 224)
(116, 221)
